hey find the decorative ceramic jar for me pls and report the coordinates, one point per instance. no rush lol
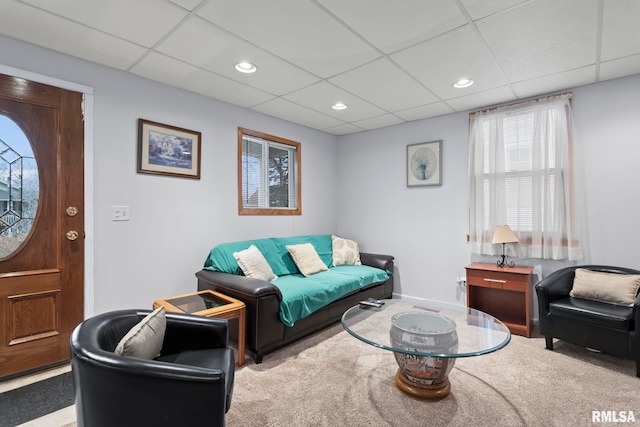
(426, 333)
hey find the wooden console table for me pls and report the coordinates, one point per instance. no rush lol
(210, 304)
(504, 293)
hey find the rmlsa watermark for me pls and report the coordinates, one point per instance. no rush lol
(613, 417)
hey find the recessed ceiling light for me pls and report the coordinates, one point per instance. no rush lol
(246, 67)
(339, 106)
(463, 83)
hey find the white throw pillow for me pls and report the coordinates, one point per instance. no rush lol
(614, 288)
(145, 339)
(345, 251)
(306, 258)
(254, 264)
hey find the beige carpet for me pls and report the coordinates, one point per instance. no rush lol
(332, 379)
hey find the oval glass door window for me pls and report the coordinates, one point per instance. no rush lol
(19, 186)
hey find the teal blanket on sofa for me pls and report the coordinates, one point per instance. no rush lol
(301, 295)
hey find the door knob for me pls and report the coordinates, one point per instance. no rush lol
(72, 234)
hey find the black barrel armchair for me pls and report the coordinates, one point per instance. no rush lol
(610, 328)
(189, 384)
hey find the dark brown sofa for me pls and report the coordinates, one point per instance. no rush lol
(265, 331)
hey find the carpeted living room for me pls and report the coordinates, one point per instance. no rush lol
(319, 213)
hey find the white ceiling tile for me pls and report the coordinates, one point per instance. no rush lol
(164, 69)
(298, 31)
(394, 25)
(200, 43)
(620, 29)
(141, 21)
(555, 82)
(441, 61)
(620, 67)
(343, 129)
(321, 96)
(482, 100)
(286, 110)
(480, 8)
(384, 84)
(379, 122)
(58, 34)
(317, 52)
(425, 111)
(187, 4)
(542, 37)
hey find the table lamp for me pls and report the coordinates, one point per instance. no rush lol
(503, 234)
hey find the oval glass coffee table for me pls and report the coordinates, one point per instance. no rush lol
(426, 341)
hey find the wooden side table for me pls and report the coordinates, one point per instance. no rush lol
(504, 293)
(210, 304)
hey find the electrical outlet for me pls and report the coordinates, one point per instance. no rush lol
(461, 281)
(120, 213)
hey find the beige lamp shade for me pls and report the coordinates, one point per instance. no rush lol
(504, 234)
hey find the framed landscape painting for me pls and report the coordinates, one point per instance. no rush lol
(168, 150)
(424, 164)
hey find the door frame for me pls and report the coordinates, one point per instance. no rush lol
(87, 109)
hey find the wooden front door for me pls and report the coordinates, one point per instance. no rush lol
(41, 240)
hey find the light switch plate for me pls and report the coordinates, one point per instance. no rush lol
(120, 213)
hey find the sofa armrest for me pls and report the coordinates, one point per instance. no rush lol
(384, 262)
(555, 286)
(240, 285)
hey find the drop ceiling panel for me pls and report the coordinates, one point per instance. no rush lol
(187, 4)
(620, 29)
(172, 72)
(343, 129)
(441, 61)
(70, 38)
(555, 82)
(431, 110)
(298, 31)
(481, 8)
(372, 82)
(389, 60)
(620, 67)
(286, 110)
(200, 43)
(321, 96)
(545, 37)
(379, 122)
(123, 18)
(394, 25)
(480, 100)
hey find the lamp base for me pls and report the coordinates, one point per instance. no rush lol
(503, 261)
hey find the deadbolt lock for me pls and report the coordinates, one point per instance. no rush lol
(72, 211)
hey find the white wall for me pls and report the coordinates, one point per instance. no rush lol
(607, 117)
(174, 221)
(425, 227)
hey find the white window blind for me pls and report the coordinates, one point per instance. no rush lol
(269, 171)
(520, 165)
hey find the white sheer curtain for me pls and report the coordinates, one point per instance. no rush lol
(521, 171)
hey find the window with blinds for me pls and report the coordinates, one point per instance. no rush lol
(519, 178)
(269, 174)
(522, 174)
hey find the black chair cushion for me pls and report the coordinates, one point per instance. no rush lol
(222, 359)
(594, 312)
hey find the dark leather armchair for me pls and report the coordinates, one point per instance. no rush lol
(610, 328)
(189, 384)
